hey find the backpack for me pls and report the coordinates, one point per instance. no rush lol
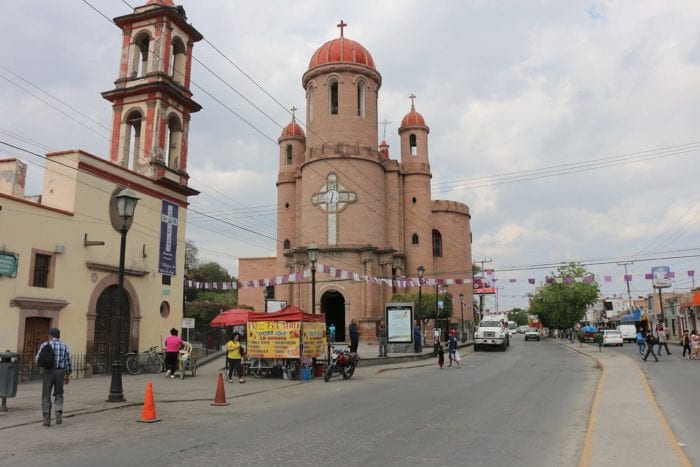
(46, 357)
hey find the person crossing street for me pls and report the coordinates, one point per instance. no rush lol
(650, 341)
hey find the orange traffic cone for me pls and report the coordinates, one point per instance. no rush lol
(220, 398)
(148, 414)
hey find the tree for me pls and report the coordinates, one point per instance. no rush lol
(209, 300)
(519, 316)
(562, 305)
(191, 252)
(427, 310)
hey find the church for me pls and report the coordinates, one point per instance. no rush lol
(368, 214)
(60, 250)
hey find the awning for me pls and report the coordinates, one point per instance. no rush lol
(232, 317)
(630, 317)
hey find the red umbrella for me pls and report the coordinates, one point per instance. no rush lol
(232, 317)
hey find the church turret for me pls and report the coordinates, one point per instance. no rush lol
(292, 146)
(152, 101)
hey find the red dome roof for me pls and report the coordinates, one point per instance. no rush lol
(293, 129)
(341, 50)
(161, 2)
(413, 118)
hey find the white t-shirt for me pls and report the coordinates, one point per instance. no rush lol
(436, 334)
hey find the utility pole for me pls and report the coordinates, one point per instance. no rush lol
(481, 295)
(629, 294)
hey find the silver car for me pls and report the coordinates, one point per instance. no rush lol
(532, 333)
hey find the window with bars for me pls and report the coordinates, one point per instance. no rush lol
(42, 268)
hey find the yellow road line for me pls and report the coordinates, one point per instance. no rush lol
(587, 449)
(680, 455)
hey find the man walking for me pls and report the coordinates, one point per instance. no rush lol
(354, 335)
(54, 378)
(651, 341)
(436, 340)
(417, 339)
(663, 339)
(383, 337)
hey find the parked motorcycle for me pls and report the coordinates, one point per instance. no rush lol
(343, 362)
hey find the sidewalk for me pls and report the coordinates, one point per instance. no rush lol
(626, 426)
(88, 395)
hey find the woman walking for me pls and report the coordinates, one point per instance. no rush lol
(452, 349)
(233, 358)
(173, 343)
(641, 341)
(695, 344)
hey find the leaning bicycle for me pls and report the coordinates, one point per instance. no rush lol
(150, 361)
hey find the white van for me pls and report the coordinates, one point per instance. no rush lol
(628, 331)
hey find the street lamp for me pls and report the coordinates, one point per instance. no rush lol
(266, 296)
(421, 271)
(461, 308)
(126, 204)
(313, 252)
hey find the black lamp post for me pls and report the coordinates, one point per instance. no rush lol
(421, 271)
(313, 252)
(461, 308)
(266, 296)
(126, 204)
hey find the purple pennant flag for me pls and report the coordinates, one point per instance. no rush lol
(588, 278)
(671, 275)
(531, 280)
(607, 278)
(691, 273)
(494, 279)
(628, 277)
(569, 280)
(549, 280)
(648, 276)
(512, 280)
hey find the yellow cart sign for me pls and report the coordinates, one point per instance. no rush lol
(280, 339)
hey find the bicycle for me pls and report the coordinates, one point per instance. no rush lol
(150, 360)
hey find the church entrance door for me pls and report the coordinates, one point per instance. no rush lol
(36, 331)
(102, 347)
(333, 305)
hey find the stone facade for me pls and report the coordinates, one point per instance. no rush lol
(369, 214)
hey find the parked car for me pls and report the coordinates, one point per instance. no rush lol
(532, 334)
(522, 329)
(628, 331)
(612, 337)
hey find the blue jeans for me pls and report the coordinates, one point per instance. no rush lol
(641, 345)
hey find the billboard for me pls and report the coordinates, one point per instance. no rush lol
(399, 322)
(485, 282)
(660, 277)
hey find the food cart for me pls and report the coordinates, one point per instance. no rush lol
(277, 340)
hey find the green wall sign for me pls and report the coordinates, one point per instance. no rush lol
(8, 264)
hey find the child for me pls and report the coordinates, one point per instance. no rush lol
(441, 356)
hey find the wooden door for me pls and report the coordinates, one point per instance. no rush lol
(36, 331)
(102, 347)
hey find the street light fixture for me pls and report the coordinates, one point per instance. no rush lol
(421, 272)
(461, 308)
(126, 205)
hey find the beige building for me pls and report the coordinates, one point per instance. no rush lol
(370, 214)
(59, 251)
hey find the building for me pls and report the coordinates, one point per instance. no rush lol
(59, 251)
(369, 214)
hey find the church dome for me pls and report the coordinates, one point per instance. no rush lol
(413, 118)
(293, 129)
(341, 50)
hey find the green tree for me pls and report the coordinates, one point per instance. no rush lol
(562, 305)
(205, 304)
(519, 316)
(427, 310)
(191, 252)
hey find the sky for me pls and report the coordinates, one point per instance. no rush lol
(568, 128)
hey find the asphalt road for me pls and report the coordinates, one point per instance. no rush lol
(675, 384)
(527, 406)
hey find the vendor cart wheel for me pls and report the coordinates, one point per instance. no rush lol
(193, 367)
(292, 370)
(259, 367)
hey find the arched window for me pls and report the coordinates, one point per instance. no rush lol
(132, 139)
(361, 98)
(437, 244)
(333, 97)
(287, 244)
(310, 100)
(412, 144)
(290, 160)
(177, 62)
(139, 56)
(414, 239)
(174, 142)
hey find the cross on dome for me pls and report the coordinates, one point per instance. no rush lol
(293, 109)
(413, 98)
(341, 25)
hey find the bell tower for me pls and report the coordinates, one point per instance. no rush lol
(151, 100)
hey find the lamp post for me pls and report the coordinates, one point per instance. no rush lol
(461, 308)
(421, 271)
(126, 204)
(266, 295)
(313, 252)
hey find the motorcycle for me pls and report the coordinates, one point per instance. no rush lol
(343, 362)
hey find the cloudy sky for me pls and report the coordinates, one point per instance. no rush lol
(569, 128)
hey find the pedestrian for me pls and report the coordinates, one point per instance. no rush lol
(663, 339)
(331, 333)
(640, 341)
(233, 356)
(383, 337)
(650, 341)
(440, 356)
(54, 378)
(417, 339)
(354, 335)
(173, 343)
(436, 341)
(452, 349)
(695, 344)
(685, 343)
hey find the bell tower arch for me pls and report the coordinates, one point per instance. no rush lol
(151, 100)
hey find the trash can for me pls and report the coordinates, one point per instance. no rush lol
(9, 375)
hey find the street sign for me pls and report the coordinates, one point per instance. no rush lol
(8, 264)
(187, 323)
(660, 277)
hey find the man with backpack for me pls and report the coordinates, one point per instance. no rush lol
(651, 342)
(57, 371)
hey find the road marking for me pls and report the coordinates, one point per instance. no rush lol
(681, 457)
(587, 450)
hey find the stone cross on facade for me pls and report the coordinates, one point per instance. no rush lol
(171, 221)
(332, 199)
